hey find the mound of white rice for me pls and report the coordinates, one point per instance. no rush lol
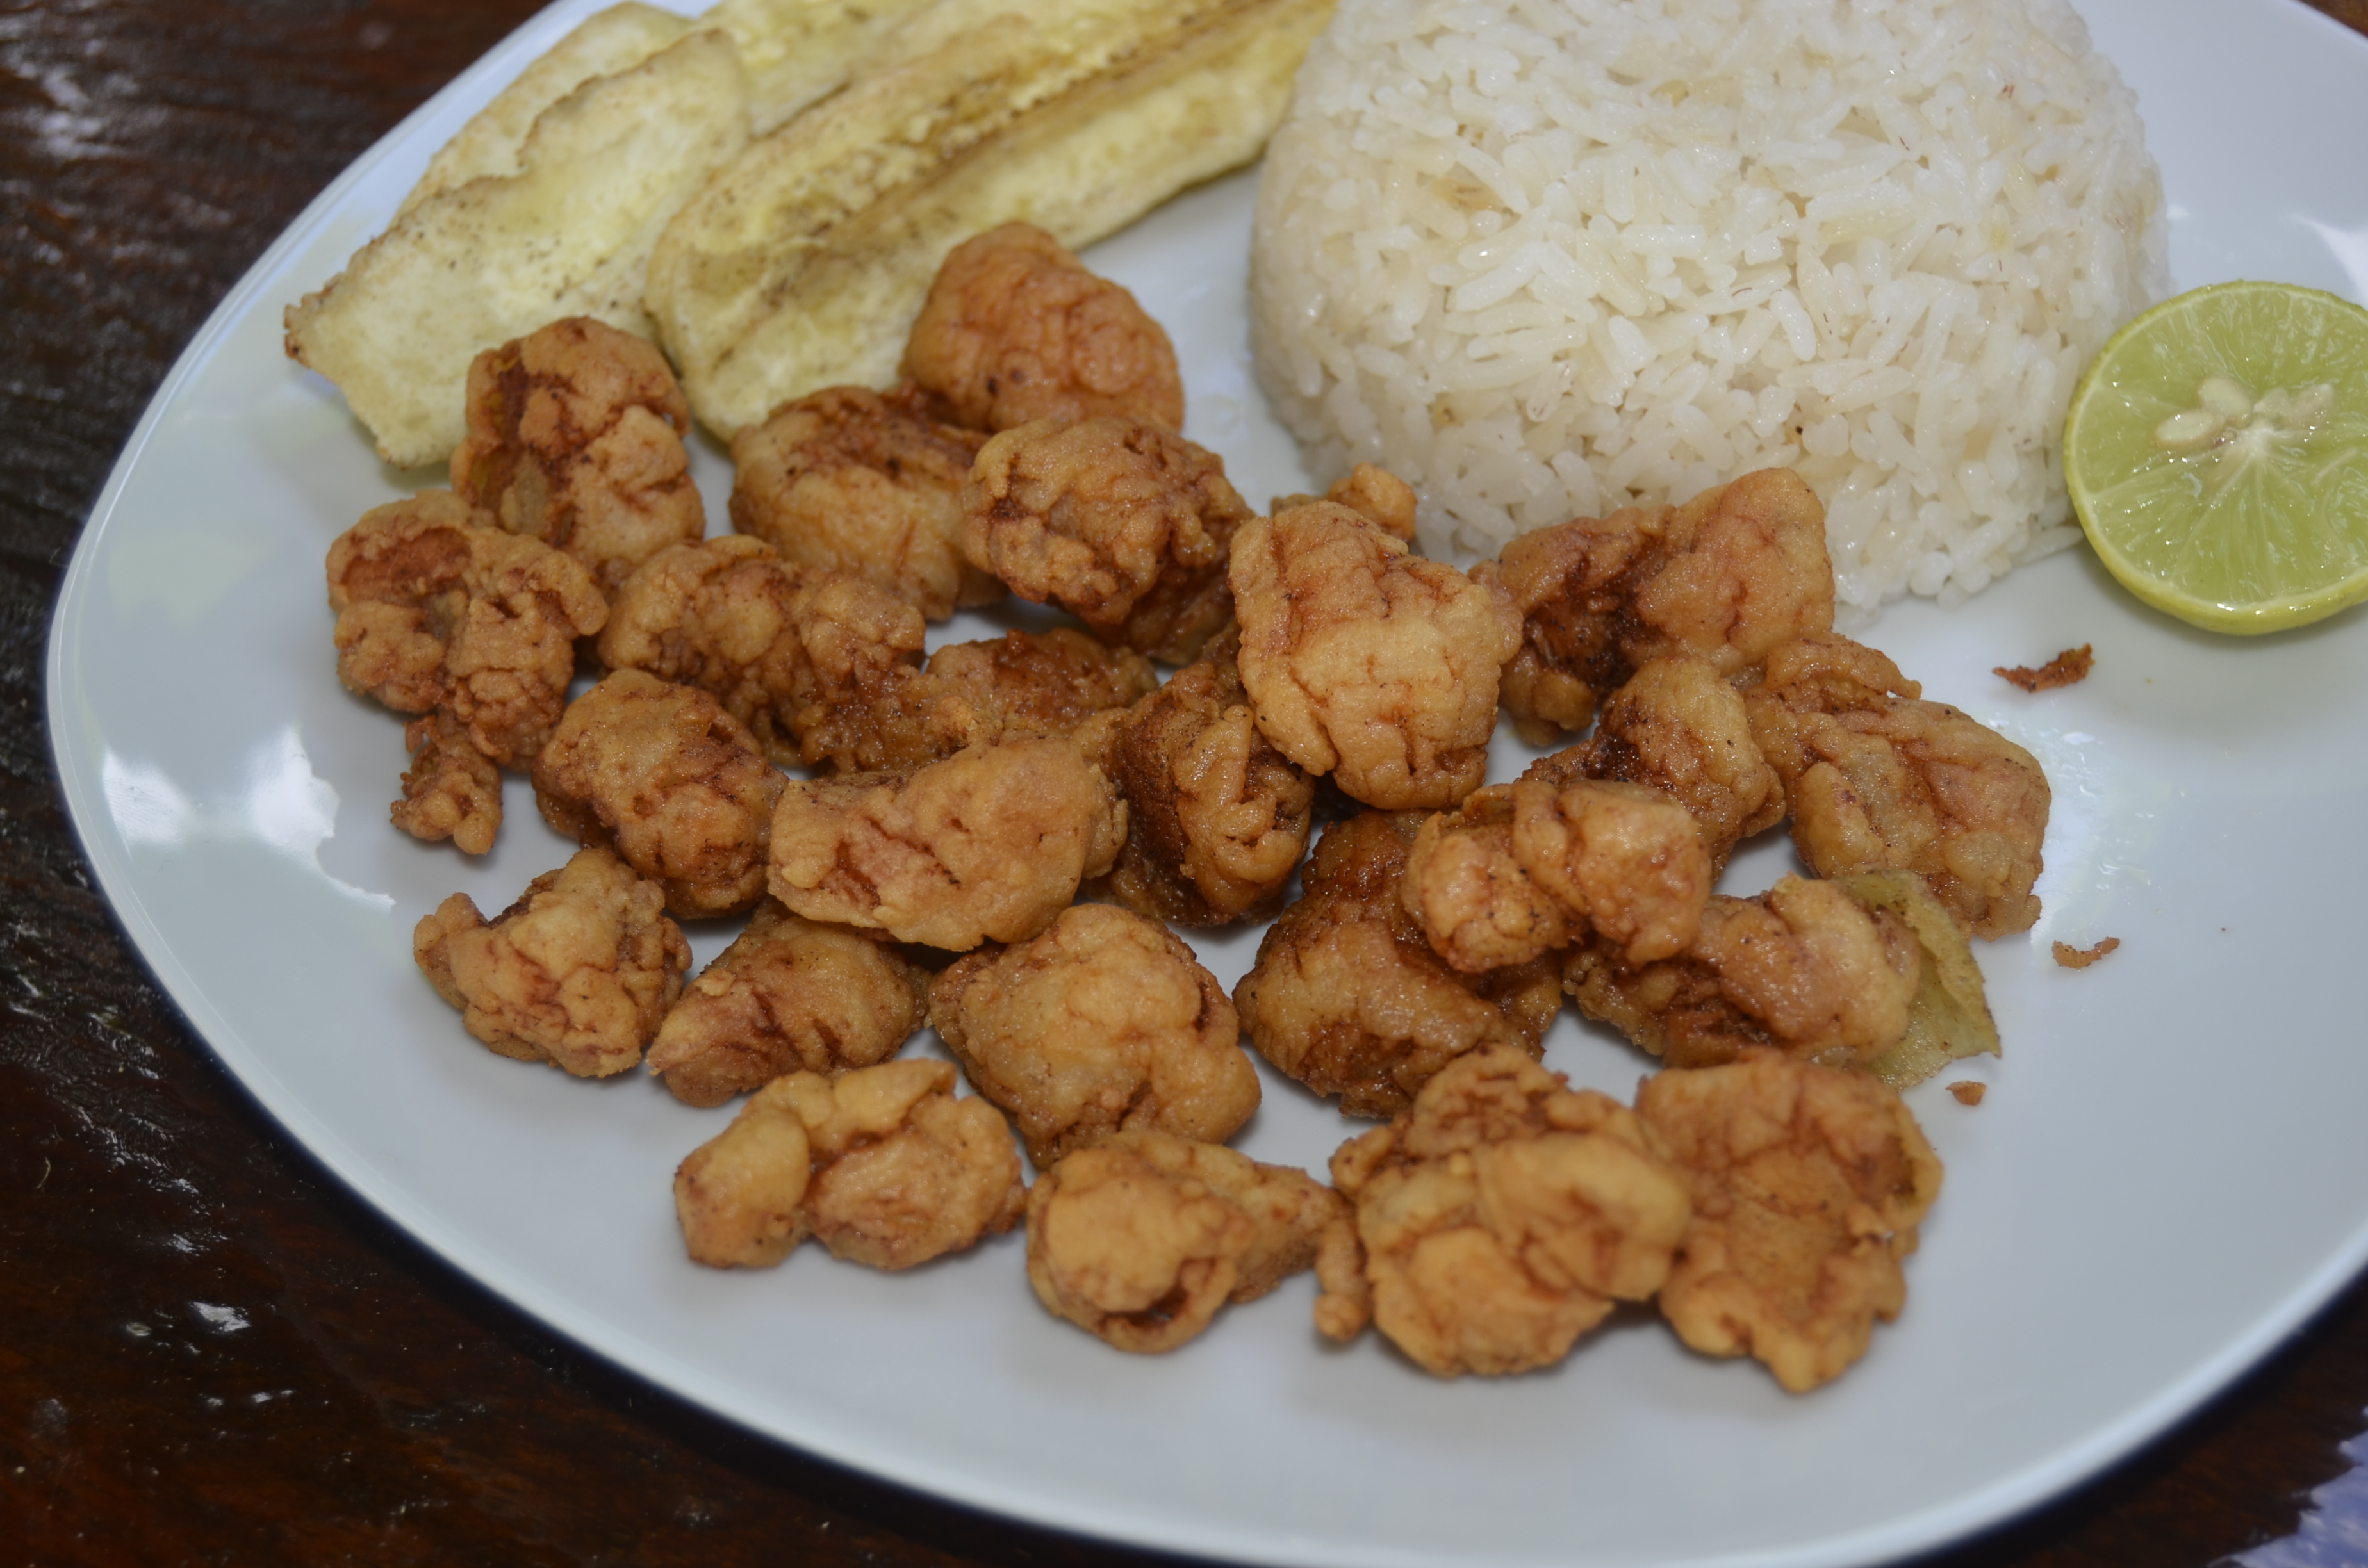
(1547, 258)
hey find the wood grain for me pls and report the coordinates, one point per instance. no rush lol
(210, 1352)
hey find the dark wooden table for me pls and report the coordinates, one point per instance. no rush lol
(360, 1401)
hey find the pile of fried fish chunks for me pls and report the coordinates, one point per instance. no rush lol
(911, 838)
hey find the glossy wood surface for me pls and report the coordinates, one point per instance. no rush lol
(212, 1353)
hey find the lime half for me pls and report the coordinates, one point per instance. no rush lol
(2216, 452)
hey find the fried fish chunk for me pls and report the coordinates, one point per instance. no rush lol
(854, 481)
(988, 844)
(569, 233)
(440, 612)
(787, 995)
(797, 653)
(1731, 575)
(1808, 1185)
(1372, 493)
(1625, 859)
(672, 782)
(1367, 662)
(451, 790)
(1023, 683)
(1140, 1239)
(1015, 329)
(578, 972)
(436, 608)
(1216, 817)
(884, 1166)
(1478, 905)
(1878, 778)
(1121, 522)
(1501, 1216)
(1348, 995)
(1677, 726)
(1035, 683)
(1524, 868)
(1105, 1021)
(1805, 967)
(574, 438)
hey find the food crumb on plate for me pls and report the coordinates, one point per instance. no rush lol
(2067, 668)
(2071, 957)
(1968, 1092)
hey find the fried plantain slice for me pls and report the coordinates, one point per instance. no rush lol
(803, 263)
(497, 257)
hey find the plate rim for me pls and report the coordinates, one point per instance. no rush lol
(1958, 1522)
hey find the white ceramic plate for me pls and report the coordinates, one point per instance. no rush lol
(2168, 1177)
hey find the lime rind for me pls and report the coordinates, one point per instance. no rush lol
(2252, 538)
